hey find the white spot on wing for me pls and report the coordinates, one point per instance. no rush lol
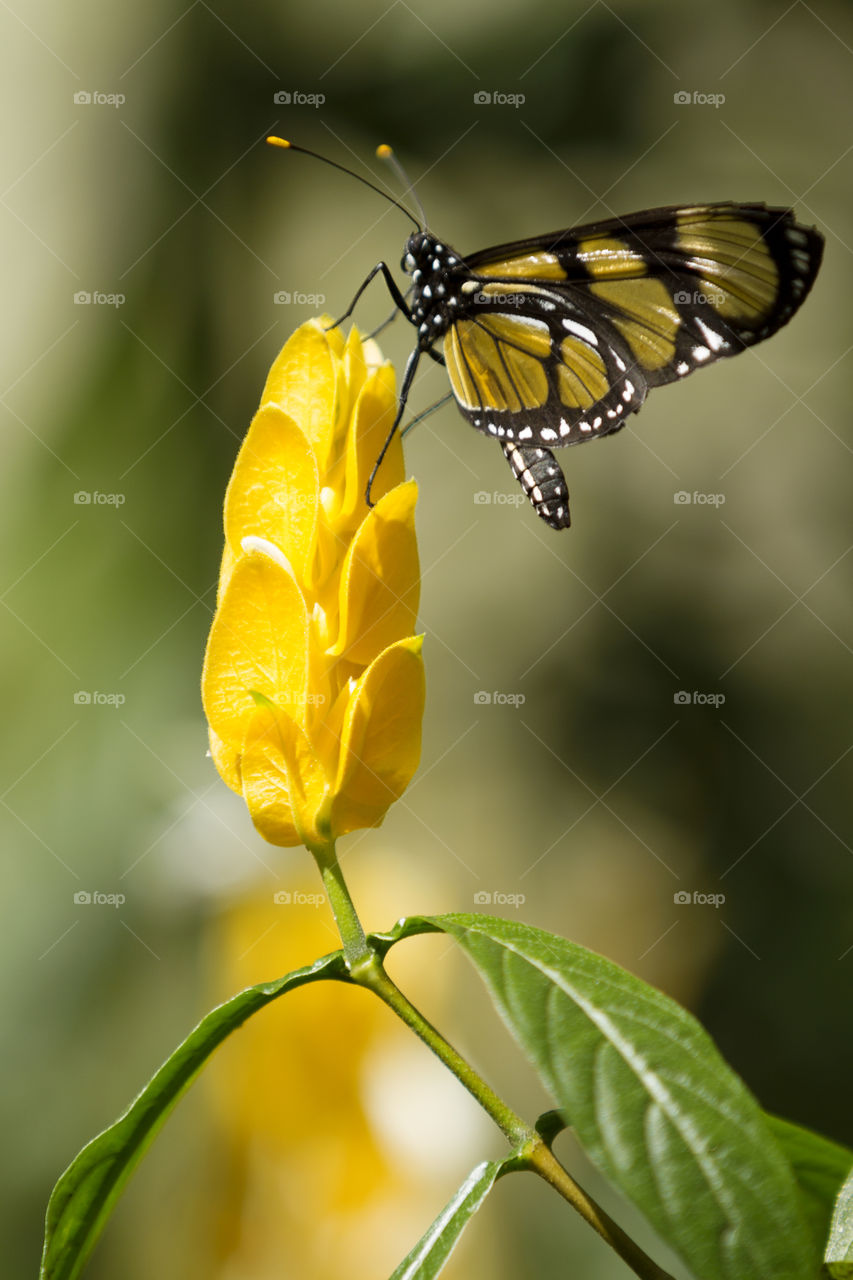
(714, 340)
(582, 332)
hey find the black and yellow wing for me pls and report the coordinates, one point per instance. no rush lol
(558, 339)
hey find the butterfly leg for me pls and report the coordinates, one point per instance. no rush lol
(539, 474)
(399, 301)
(408, 378)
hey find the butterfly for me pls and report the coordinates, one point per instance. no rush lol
(557, 339)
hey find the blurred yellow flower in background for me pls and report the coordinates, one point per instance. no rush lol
(313, 682)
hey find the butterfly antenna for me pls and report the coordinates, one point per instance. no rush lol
(384, 152)
(292, 146)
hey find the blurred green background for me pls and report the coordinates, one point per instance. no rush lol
(600, 796)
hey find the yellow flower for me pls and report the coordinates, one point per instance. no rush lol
(313, 683)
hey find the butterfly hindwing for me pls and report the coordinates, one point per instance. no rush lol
(540, 376)
(558, 338)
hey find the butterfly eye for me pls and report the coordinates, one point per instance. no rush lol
(408, 263)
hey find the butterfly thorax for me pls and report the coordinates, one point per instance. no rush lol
(438, 275)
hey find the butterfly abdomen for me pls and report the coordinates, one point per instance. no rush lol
(542, 481)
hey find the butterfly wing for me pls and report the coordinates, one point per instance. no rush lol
(561, 336)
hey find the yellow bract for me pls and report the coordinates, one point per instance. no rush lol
(313, 681)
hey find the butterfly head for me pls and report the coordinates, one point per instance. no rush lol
(437, 274)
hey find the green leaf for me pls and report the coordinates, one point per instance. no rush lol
(85, 1195)
(820, 1167)
(433, 1249)
(648, 1096)
(839, 1250)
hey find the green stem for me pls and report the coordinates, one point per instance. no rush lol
(374, 977)
(366, 970)
(543, 1161)
(356, 949)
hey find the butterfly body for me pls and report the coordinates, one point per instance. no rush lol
(438, 276)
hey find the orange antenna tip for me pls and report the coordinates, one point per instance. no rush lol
(278, 142)
(383, 151)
